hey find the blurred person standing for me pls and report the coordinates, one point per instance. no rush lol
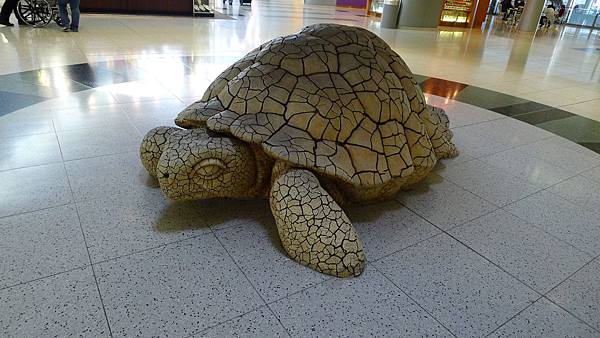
(9, 7)
(69, 26)
(506, 7)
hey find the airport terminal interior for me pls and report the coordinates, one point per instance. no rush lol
(501, 240)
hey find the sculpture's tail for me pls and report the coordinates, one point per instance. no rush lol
(438, 127)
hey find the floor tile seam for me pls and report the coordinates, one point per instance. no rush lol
(589, 255)
(500, 117)
(37, 210)
(584, 152)
(454, 226)
(131, 122)
(66, 161)
(249, 281)
(447, 232)
(106, 119)
(579, 102)
(93, 272)
(2, 171)
(563, 198)
(578, 171)
(150, 248)
(123, 106)
(378, 260)
(9, 138)
(515, 148)
(326, 279)
(26, 134)
(498, 266)
(200, 332)
(138, 130)
(98, 156)
(102, 125)
(130, 28)
(33, 280)
(515, 316)
(597, 329)
(470, 124)
(65, 108)
(414, 301)
(594, 260)
(481, 157)
(83, 235)
(535, 111)
(583, 174)
(538, 189)
(172, 93)
(145, 100)
(504, 208)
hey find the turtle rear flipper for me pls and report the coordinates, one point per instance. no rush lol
(438, 127)
(314, 230)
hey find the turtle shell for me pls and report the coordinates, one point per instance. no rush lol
(332, 98)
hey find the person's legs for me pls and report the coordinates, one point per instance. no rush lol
(7, 8)
(74, 4)
(64, 15)
(16, 12)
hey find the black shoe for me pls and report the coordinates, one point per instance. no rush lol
(6, 23)
(66, 29)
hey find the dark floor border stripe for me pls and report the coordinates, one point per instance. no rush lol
(33, 86)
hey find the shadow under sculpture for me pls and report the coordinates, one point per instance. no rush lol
(312, 121)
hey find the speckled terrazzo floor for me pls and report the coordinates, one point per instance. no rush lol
(504, 239)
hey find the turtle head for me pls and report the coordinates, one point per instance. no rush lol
(200, 164)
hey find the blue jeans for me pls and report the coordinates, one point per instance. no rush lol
(64, 15)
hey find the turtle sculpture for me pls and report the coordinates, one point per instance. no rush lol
(313, 121)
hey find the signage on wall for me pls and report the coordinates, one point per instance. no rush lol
(458, 5)
(456, 11)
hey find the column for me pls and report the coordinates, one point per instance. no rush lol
(420, 13)
(530, 19)
(492, 7)
(320, 2)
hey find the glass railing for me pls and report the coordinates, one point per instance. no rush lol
(585, 17)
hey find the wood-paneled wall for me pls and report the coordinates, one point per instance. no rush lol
(176, 7)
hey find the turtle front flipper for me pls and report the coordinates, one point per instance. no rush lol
(314, 230)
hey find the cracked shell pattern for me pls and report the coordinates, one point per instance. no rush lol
(327, 116)
(314, 230)
(334, 99)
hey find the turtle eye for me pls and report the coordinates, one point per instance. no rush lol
(209, 168)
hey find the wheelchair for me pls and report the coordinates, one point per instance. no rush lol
(38, 13)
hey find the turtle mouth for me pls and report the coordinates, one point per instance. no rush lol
(181, 190)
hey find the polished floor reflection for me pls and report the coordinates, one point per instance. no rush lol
(503, 240)
(559, 68)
